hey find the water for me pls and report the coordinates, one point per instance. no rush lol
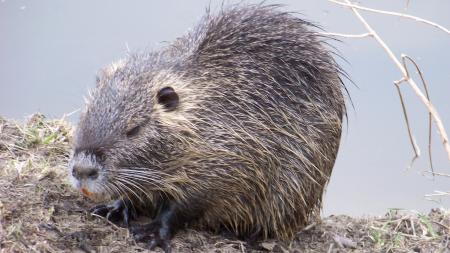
(50, 52)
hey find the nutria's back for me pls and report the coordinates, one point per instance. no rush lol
(237, 125)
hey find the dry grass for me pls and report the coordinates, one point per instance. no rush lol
(39, 212)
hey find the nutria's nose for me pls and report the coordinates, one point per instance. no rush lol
(84, 172)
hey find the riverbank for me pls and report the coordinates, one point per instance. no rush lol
(40, 212)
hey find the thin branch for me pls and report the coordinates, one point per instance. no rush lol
(363, 35)
(425, 86)
(397, 14)
(437, 194)
(438, 174)
(408, 126)
(66, 115)
(411, 82)
(105, 219)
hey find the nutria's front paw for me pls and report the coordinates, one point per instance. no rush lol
(118, 210)
(156, 234)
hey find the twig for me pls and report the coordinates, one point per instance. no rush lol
(310, 226)
(363, 35)
(425, 86)
(65, 115)
(416, 148)
(438, 194)
(108, 221)
(330, 249)
(402, 15)
(241, 247)
(442, 225)
(412, 226)
(411, 82)
(438, 174)
(426, 238)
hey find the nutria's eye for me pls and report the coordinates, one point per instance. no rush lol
(133, 131)
(168, 97)
(99, 154)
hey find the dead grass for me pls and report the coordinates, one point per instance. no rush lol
(39, 212)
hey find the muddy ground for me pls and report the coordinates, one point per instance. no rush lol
(40, 212)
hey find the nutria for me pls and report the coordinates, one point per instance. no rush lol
(234, 126)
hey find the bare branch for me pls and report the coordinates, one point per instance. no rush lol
(408, 79)
(438, 174)
(418, 19)
(437, 194)
(425, 86)
(363, 35)
(408, 126)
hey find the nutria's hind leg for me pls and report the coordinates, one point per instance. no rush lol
(157, 232)
(118, 210)
(160, 231)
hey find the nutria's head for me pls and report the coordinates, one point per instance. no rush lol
(124, 134)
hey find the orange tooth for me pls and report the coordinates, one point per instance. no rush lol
(86, 192)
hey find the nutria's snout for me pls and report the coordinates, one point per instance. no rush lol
(81, 172)
(85, 172)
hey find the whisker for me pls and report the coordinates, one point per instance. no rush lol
(124, 195)
(124, 185)
(144, 171)
(135, 185)
(107, 189)
(150, 181)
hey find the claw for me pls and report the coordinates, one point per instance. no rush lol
(114, 212)
(152, 245)
(164, 244)
(101, 210)
(126, 217)
(160, 231)
(156, 233)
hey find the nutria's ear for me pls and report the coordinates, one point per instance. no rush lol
(168, 97)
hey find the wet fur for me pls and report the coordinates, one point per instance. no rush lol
(253, 141)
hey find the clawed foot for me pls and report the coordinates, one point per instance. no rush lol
(118, 210)
(156, 233)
